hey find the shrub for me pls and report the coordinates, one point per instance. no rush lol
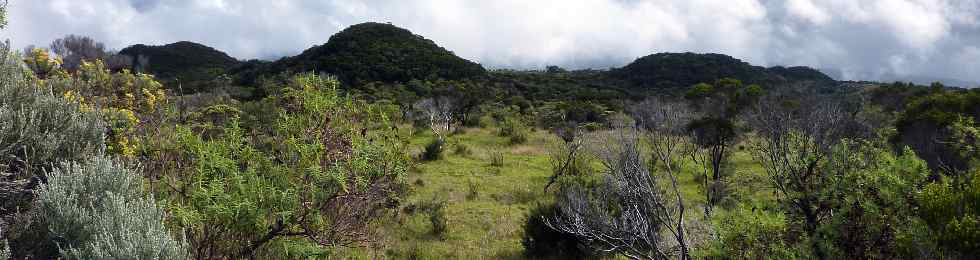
(472, 190)
(37, 128)
(436, 209)
(513, 128)
(4, 248)
(319, 169)
(433, 150)
(496, 157)
(462, 149)
(486, 121)
(96, 210)
(750, 233)
(541, 241)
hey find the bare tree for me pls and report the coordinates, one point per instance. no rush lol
(796, 147)
(75, 49)
(566, 157)
(439, 113)
(632, 210)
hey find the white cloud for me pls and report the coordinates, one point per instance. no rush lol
(860, 37)
(807, 10)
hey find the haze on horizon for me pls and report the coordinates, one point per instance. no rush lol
(854, 40)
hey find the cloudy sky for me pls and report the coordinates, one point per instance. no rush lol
(852, 39)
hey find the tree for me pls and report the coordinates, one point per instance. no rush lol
(439, 113)
(797, 146)
(925, 127)
(715, 131)
(951, 206)
(627, 212)
(75, 49)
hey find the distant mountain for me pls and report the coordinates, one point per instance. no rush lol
(192, 63)
(378, 52)
(681, 70)
(928, 80)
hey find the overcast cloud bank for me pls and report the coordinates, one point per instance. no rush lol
(863, 39)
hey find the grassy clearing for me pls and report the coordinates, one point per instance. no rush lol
(486, 203)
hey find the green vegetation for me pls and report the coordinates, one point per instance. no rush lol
(411, 152)
(184, 66)
(97, 209)
(379, 52)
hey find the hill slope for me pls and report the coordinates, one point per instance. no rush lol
(681, 70)
(192, 63)
(379, 52)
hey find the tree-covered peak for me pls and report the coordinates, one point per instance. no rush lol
(380, 52)
(682, 70)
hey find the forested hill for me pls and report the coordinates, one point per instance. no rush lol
(681, 70)
(194, 64)
(370, 52)
(384, 54)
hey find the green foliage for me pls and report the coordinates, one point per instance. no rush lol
(924, 126)
(4, 250)
(379, 52)
(747, 232)
(3, 15)
(38, 128)
(124, 99)
(97, 209)
(515, 129)
(952, 210)
(496, 157)
(680, 70)
(472, 190)
(874, 202)
(435, 209)
(700, 90)
(433, 150)
(190, 66)
(541, 241)
(281, 188)
(462, 149)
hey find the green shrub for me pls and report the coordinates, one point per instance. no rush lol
(750, 233)
(328, 162)
(436, 210)
(541, 241)
(513, 128)
(496, 157)
(4, 248)
(462, 149)
(486, 121)
(472, 190)
(433, 150)
(954, 213)
(37, 128)
(97, 209)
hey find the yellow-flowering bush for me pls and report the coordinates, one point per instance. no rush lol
(124, 98)
(41, 63)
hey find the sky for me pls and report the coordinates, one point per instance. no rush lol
(849, 39)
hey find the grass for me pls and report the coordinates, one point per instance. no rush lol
(483, 226)
(487, 203)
